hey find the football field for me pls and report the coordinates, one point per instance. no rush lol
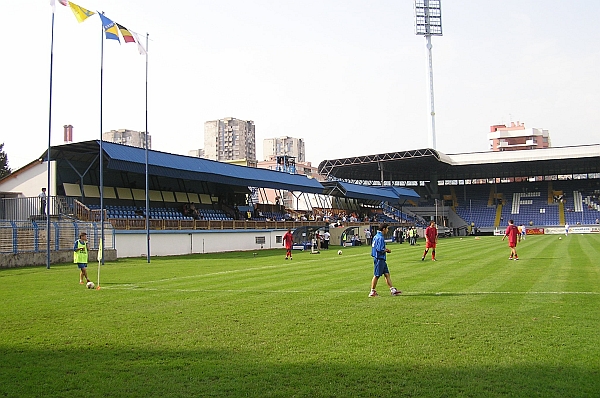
(471, 324)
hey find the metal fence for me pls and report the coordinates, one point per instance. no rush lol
(32, 236)
(34, 208)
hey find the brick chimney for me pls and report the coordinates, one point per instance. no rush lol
(68, 132)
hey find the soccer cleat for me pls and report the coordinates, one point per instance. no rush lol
(423, 258)
(286, 258)
(373, 293)
(516, 258)
(290, 257)
(433, 259)
(510, 258)
(395, 292)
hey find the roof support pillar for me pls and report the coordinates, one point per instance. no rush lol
(433, 185)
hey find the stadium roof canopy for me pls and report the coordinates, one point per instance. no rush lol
(429, 164)
(131, 159)
(369, 193)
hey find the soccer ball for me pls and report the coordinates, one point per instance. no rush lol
(90, 285)
(560, 238)
(339, 252)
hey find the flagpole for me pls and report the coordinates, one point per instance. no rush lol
(101, 156)
(48, 153)
(147, 184)
(100, 258)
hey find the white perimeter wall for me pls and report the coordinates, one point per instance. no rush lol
(172, 243)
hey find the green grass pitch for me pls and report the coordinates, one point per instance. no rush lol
(472, 324)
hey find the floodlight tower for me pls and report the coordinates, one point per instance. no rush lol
(428, 22)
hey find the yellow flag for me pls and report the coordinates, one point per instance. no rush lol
(80, 13)
(100, 251)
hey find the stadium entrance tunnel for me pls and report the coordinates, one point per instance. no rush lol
(303, 236)
(348, 236)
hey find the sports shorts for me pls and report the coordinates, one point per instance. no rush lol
(380, 267)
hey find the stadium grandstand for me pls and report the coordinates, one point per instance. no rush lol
(202, 199)
(184, 194)
(482, 191)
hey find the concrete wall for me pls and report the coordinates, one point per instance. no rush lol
(163, 243)
(10, 260)
(173, 243)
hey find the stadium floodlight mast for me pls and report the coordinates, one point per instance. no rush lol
(428, 22)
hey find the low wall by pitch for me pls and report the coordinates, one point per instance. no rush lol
(14, 260)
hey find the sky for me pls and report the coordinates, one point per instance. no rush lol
(349, 77)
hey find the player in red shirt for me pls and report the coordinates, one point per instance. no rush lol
(288, 242)
(512, 231)
(431, 235)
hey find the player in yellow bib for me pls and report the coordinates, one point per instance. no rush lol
(80, 256)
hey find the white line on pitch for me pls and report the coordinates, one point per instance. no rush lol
(136, 287)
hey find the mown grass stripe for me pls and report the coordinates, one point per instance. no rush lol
(234, 324)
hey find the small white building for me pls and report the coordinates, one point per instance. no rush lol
(516, 137)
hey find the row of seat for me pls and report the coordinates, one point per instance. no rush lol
(164, 213)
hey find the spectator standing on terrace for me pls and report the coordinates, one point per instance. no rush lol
(379, 254)
(431, 235)
(43, 199)
(513, 234)
(288, 242)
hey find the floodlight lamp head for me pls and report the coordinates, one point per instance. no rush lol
(428, 17)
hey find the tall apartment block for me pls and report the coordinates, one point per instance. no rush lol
(197, 153)
(284, 146)
(128, 137)
(229, 139)
(516, 137)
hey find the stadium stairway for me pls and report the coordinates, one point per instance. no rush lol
(498, 215)
(561, 213)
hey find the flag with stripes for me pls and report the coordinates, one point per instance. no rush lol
(127, 36)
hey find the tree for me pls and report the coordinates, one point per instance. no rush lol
(4, 169)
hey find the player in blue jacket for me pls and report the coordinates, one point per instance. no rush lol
(379, 254)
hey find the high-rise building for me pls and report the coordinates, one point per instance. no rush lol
(284, 146)
(517, 137)
(229, 139)
(286, 164)
(128, 137)
(197, 153)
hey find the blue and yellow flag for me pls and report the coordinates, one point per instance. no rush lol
(80, 13)
(110, 28)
